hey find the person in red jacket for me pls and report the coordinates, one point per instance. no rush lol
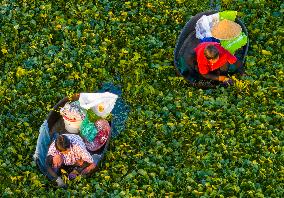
(213, 61)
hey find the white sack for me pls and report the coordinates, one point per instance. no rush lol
(204, 25)
(101, 103)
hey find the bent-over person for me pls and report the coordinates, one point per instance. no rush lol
(68, 151)
(214, 61)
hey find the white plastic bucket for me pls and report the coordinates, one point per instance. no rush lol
(72, 127)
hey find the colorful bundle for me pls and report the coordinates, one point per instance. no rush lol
(73, 115)
(73, 112)
(88, 129)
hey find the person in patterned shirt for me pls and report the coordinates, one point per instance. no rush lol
(68, 150)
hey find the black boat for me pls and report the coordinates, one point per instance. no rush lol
(184, 56)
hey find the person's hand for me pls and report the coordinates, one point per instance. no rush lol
(226, 79)
(60, 183)
(227, 82)
(72, 176)
(223, 78)
(88, 169)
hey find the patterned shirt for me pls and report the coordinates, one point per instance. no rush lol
(77, 151)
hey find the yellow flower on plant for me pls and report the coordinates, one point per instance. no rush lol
(4, 51)
(58, 26)
(149, 5)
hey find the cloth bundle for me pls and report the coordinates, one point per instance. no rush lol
(103, 129)
(72, 111)
(88, 129)
(73, 115)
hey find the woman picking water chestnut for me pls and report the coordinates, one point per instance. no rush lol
(214, 61)
(68, 151)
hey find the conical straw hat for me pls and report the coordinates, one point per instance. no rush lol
(226, 30)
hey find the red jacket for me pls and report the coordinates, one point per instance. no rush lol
(203, 64)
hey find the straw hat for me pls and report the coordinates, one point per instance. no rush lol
(226, 30)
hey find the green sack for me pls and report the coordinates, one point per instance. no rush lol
(229, 15)
(234, 44)
(88, 129)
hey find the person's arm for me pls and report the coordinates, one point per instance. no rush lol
(90, 167)
(84, 169)
(86, 163)
(210, 76)
(239, 66)
(215, 77)
(52, 173)
(49, 164)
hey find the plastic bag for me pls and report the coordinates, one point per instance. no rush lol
(204, 25)
(101, 103)
(233, 45)
(229, 15)
(88, 129)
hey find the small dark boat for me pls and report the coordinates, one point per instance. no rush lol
(54, 125)
(184, 56)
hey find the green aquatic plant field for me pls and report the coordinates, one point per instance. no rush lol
(179, 141)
